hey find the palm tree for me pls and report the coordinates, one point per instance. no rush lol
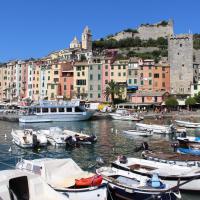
(111, 90)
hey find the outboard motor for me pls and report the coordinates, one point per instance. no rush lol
(35, 141)
(71, 141)
(123, 159)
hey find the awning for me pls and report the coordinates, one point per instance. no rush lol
(132, 87)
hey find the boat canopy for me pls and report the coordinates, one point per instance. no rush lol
(60, 173)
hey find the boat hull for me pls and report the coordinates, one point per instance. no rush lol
(91, 193)
(138, 133)
(119, 193)
(187, 124)
(55, 117)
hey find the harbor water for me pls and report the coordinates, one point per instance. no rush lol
(111, 143)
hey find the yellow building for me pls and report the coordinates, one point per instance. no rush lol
(81, 70)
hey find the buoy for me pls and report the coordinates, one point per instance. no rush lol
(5, 136)
(10, 149)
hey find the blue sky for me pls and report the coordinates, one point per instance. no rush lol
(33, 28)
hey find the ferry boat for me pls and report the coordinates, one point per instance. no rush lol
(55, 111)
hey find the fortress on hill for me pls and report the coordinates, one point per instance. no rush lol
(147, 31)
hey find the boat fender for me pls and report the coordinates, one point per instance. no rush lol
(155, 181)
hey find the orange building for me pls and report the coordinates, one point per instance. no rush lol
(154, 77)
(66, 81)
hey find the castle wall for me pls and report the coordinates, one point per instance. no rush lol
(180, 52)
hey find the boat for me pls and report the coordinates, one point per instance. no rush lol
(55, 136)
(125, 185)
(138, 133)
(189, 145)
(124, 115)
(172, 158)
(187, 124)
(155, 128)
(62, 176)
(18, 185)
(54, 111)
(188, 176)
(81, 138)
(28, 138)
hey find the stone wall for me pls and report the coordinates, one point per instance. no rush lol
(180, 52)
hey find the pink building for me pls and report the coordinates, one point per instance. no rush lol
(143, 97)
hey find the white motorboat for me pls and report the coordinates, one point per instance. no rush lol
(28, 138)
(16, 184)
(138, 133)
(54, 111)
(124, 115)
(171, 173)
(187, 124)
(65, 176)
(155, 128)
(127, 185)
(55, 136)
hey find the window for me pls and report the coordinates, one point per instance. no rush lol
(81, 82)
(119, 67)
(83, 73)
(129, 81)
(135, 81)
(155, 99)
(52, 86)
(106, 81)
(91, 96)
(52, 95)
(124, 74)
(195, 87)
(83, 67)
(78, 73)
(112, 73)
(106, 67)
(45, 110)
(65, 87)
(53, 109)
(55, 72)
(48, 78)
(183, 65)
(99, 67)
(91, 77)
(77, 109)
(156, 75)
(99, 87)
(106, 73)
(61, 110)
(142, 83)
(124, 67)
(141, 68)
(150, 82)
(150, 74)
(91, 67)
(91, 87)
(99, 95)
(163, 75)
(99, 76)
(129, 72)
(38, 110)
(181, 45)
(163, 84)
(163, 69)
(112, 67)
(119, 74)
(142, 99)
(56, 80)
(69, 109)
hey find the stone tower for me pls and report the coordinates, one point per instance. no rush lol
(87, 39)
(180, 54)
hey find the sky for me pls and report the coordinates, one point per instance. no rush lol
(34, 28)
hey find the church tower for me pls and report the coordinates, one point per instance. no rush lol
(87, 39)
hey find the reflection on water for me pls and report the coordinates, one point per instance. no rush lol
(111, 143)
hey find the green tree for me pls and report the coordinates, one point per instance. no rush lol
(171, 102)
(197, 97)
(112, 90)
(190, 102)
